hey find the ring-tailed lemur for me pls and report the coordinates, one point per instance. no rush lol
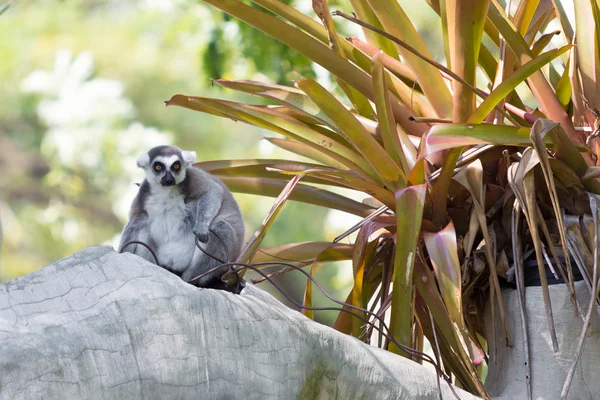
(176, 203)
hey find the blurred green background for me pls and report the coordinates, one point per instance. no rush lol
(82, 86)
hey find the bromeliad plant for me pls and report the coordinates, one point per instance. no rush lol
(449, 169)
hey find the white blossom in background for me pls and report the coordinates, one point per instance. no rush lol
(91, 135)
(71, 98)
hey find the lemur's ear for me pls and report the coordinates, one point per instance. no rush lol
(143, 161)
(189, 156)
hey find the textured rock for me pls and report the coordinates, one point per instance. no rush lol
(100, 325)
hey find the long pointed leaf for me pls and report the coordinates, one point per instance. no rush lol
(250, 249)
(387, 124)
(303, 193)
(359, 101)
(539, 85)
(379, 160)
(305, 252)
(365, 13)
(278, 123)
(310, 47)
(509, 84)
(466, 21)
(447, 136)
(396, 23)
(305, 151)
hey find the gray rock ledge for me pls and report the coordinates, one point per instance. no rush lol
(101, 325)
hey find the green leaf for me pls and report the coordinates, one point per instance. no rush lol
(215, 166)
(447, 136)
(276, 169)
(409, 212)
(330, 176)
(563, 89)
(285, 95)
(365, 13)
(364, 251)
(509, 84)
(542, 42)
(429, 294)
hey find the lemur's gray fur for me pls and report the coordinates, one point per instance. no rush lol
(177, 202)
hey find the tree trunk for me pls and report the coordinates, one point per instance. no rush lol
(101, 325)
(507, 372)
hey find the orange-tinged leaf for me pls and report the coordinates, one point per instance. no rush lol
(443, 253)
(306, 252)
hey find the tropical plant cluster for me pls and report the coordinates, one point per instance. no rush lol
(464, 182)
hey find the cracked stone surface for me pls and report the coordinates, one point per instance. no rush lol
(102, 325)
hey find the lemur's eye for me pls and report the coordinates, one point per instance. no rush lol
(157, 167)
(176, 166)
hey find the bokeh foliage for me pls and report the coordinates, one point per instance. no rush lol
(473, 169)
(52, 205)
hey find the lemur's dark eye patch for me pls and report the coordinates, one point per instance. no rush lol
(176, 166)
(158, 167)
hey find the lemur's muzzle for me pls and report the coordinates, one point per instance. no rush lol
(167, 180)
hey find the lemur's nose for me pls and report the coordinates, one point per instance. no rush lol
(167, 180)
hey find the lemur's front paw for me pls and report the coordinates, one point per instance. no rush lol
(201, 233)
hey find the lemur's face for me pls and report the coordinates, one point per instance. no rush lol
(166, 165)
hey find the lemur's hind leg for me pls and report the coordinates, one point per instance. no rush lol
(222, 244)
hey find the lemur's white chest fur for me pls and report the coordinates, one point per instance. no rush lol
(170, 227)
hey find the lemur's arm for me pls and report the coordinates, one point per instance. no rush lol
(133, 231)
(208, 206)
